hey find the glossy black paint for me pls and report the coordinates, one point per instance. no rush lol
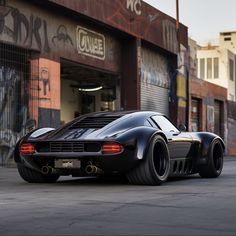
(133, 129)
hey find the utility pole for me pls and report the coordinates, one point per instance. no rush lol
(177, 23)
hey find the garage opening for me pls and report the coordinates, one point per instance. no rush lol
(85, 89)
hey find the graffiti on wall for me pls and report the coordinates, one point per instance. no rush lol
(169, 36)
(14, 122)
(129, 16)
(62, 36)
(44, 84)
(31, 29)
(154, 69)
(23, 30)
(134, 6)
(134, 18)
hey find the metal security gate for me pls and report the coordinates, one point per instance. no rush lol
(18, 97)
(155, 82)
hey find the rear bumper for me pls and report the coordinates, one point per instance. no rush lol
(118, 163)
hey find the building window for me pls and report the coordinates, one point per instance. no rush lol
(216, 67)
(227, 34)
(231, 69)
(227, 39)
(202, 68)
(209, 68)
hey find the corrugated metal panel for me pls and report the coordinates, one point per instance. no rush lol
(154, 98)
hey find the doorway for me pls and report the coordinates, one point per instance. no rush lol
(85, 89)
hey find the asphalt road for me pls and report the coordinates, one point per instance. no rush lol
(189, 206)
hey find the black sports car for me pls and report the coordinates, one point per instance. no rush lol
(143, 145)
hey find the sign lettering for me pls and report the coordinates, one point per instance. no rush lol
(90, 43)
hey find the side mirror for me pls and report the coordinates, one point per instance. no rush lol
(182, 128)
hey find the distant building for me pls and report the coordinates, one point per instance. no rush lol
(212, 88)
(228, 40)
(216, 64)
(207, 101)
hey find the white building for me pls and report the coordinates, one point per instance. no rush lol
(217, 64)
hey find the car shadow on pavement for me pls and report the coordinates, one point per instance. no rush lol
(115, 180)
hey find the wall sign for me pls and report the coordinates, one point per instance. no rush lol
(90, 43)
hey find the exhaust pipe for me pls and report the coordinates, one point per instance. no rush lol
(92, 169)
(46, 170)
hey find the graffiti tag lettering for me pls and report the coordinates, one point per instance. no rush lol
(170, 36)
(134, 6)
(62, 35)
(24, 30)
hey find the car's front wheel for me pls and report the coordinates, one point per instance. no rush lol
(33, 176)
(214, 165)
(155, 167)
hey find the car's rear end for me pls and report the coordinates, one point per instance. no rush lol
(88, 146)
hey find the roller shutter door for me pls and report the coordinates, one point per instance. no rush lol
(155, 81)
(154, 98)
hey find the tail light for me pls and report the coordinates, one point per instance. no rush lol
(112, 148)
(27, 148)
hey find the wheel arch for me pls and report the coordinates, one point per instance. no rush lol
(155, 166)
(140, 137)
(207, 139)
(150, 138)
(211, 162)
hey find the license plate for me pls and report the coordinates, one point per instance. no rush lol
(67, 163)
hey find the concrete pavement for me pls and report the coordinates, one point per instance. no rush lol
(189, 206)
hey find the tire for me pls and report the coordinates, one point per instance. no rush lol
(33, 176)
(215, 157)
(155, 167)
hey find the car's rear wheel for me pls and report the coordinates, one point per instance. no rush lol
(33, 176)
(155, 167)
(214, 165)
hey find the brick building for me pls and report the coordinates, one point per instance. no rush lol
(208, 104)
(60, 59)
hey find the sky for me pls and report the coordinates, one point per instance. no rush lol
(205, 19)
